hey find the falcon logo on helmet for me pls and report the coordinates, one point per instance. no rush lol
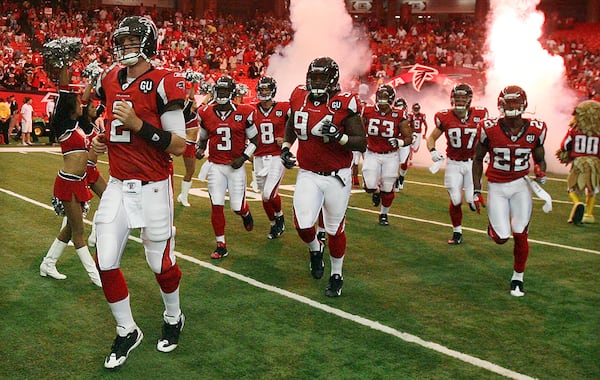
(461, 96)
(385, 94)
(128, 53)
(322, 76)
(512, 101)
(266, 88)
(224, 90)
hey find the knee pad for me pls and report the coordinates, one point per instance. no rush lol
(169, 279)
(494, 236)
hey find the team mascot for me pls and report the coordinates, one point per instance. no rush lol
(581, 148)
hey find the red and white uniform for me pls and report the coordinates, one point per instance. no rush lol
(313, 153)
(131, 156)
(418, 122)
(509, 195)
(139, 190)
(268, 168)
(226, 134)
(380, 166)
(325, 176)
(580, 144)
(461, 137)
(68, 184)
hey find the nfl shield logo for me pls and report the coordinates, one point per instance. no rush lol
(238, 118)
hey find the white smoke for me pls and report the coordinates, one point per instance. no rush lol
(515, 56)
(321, 28)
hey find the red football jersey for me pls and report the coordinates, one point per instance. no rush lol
(580, 144)
(418, 123)
(270, 124)
(510, 155)
(130, 156)
(381, 127)
(313, 153)
(227, 133)
(461, 134)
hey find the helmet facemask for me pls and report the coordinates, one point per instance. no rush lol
(461, 97)
(224, 90)
(135, 37)
(512, 101)
(266, 89)
(385, 96)
(322, 76)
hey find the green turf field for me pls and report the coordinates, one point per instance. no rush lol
(412, 307)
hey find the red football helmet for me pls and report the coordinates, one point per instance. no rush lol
(322, 76)
(512, 101)
(461, 96)
(266, 88)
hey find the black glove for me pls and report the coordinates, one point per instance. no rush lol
(199, 152)
(331, 130)
(288, 159)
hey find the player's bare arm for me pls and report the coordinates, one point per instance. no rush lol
(432, 138)
(357, 136)
(406, 132)
(480, 151)
(250, 148)
(539, 157)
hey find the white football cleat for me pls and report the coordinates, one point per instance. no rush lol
(516, 288)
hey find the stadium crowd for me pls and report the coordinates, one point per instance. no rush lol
(241, 48)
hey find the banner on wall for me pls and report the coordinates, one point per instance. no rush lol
(145, 3)
(359, 6)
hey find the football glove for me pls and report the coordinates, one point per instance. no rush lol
(478, 201)
(435, 155)
(287, 158)
(393, 142)
(540, 176)
(199, 152)
(331, 130)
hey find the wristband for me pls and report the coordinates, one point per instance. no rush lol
(432, 149)
(160, 138)
(250, 149)
(286, 145)
(344, 139)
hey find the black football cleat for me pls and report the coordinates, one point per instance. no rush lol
(456, 239)
(334, 287)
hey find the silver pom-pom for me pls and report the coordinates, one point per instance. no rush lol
(194, 76)
(206, 88)
(92, 71)
(241, 89)
(62, 51)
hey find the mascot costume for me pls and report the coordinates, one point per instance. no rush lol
(581, 148)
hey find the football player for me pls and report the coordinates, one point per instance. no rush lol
(387, 129)
(327, 124)
(144, 126)
(270, 118)
(511, 141)
(459, 125)
(224, 128)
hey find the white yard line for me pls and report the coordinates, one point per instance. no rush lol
(409, 338)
